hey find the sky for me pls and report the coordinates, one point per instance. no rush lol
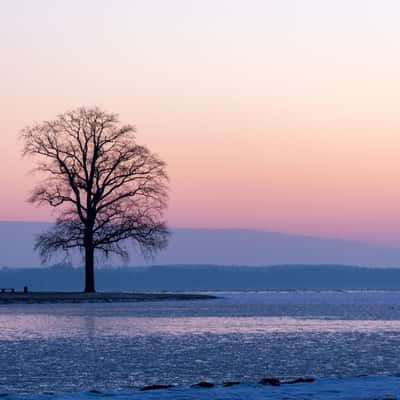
(272, 115)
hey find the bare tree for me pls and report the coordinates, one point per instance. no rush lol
(105, 187)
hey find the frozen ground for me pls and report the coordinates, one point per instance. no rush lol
(360, 388)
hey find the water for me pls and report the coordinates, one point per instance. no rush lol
(242, 336)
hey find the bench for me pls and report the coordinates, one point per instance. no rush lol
(7, 290)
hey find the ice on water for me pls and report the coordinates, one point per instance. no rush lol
(117, 348)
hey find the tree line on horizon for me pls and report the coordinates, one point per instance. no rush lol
(210, 277)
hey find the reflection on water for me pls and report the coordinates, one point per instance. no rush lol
(239, 337)
(50, 326)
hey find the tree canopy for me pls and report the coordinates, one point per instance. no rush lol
(105, 187)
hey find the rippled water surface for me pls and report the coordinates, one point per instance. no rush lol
(242, 336)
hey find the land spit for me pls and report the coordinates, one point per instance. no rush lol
(99, 297)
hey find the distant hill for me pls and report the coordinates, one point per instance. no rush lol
(206, 277)
(218, 247)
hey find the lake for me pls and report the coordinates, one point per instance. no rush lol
(119, 347)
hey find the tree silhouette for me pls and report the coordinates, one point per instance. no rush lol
(105, 187)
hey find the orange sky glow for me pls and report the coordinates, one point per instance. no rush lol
(281, 116)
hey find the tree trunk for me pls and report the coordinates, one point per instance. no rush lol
(89, 264)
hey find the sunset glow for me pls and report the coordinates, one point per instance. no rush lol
(279, 116)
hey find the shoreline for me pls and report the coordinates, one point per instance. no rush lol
(383, 387)
(98, 297)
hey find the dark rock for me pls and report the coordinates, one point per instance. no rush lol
(203, 385)
(299, 380)
(95, 391)
(231, 383)
(270, 381)
(156, 387)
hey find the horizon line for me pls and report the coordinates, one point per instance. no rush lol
(255, 230)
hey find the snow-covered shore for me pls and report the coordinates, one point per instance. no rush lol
(356, 388)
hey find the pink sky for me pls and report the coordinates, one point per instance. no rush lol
(272, 115)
